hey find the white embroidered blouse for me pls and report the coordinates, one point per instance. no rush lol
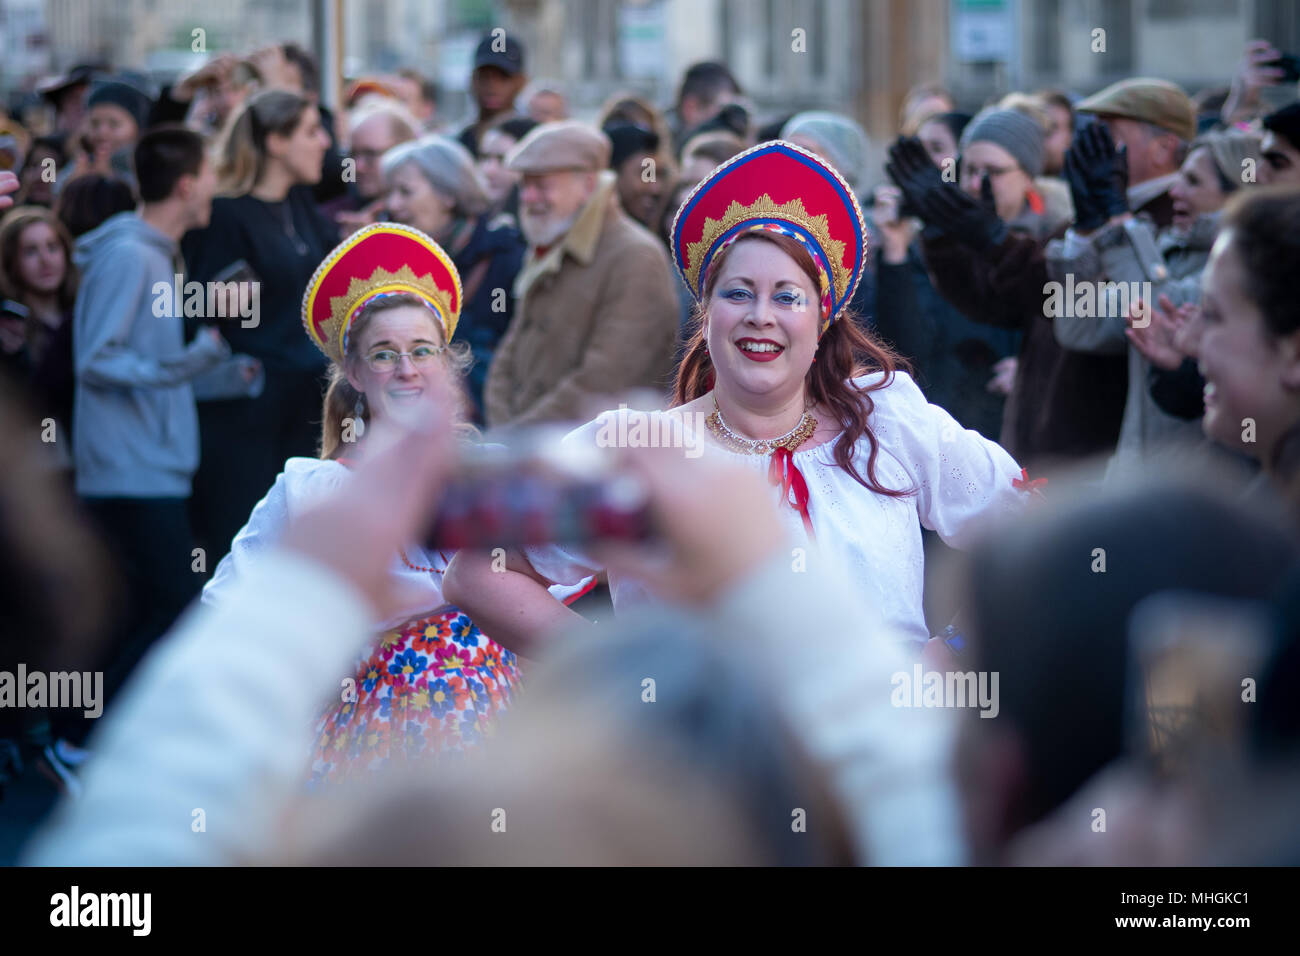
(303, 482)
(961, 480)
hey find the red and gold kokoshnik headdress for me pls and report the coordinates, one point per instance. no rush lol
(776, 187)
(379, 260)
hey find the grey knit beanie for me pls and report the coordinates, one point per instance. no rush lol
(1013, 131)
(841, 140)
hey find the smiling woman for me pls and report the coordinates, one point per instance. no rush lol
(383, 308)
(1249, 335)
(771, 245)
(396, 346)
(724, 344)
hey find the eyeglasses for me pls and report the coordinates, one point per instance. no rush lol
(385, 360)
(977, 172)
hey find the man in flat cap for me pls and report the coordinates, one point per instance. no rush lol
(497, 79)
(596, 309)
(1119, 241)
(1154, 121)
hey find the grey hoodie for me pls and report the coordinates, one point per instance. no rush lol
(137, 431)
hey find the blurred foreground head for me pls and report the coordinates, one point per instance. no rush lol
(651, 747)
(1050, 605)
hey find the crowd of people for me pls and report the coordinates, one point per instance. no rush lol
(975, 413)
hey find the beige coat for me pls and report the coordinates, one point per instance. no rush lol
(595, 316)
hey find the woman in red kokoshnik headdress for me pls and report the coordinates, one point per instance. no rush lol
(778, 376)
(383, 307)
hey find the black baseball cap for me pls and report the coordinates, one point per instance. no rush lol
(502, 51)
(82, 74)
(1285, 123)
(629, 140)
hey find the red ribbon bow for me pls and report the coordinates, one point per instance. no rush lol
(782, 471)
(1024, 484)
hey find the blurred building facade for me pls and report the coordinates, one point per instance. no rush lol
(858, 56)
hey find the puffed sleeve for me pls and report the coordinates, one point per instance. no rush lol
(301, 481)
(962, 479)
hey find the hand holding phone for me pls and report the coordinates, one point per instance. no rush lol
(512, 498)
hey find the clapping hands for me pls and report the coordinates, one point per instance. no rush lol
(1158, 338)
(1098, 176)
(943, 205)
(9, 185)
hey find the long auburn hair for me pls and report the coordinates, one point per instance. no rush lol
(845, 352)
(341, 398)
(12, 226)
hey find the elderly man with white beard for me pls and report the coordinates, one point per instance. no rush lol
(596, 309)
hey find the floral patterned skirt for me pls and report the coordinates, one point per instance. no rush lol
(433, 686)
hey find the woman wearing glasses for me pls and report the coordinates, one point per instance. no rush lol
(983, 245)
(382, 307)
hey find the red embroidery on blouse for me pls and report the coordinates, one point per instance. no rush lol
(1024, 484)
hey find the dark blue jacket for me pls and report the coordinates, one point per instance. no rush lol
(487, 263)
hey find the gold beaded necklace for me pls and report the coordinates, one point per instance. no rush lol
(789, 441)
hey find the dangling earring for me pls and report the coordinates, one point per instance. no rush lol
(359, 409)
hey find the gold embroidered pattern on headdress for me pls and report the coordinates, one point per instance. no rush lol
(383, 281)
(765, 208)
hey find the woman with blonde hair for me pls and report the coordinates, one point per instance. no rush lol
(383, 308)
(267, 235)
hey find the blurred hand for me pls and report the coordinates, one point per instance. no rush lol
(1004, 376)
(215, 72)
(937, 656)
(944, 206)
(1253, 74)
(99, 162)
(13, 335)
(350, 222)
(9, 185)
(1188, 329)
(918, 178)
(274, 69)
(717, 521)
(896, 232)
(1155, 339)
(391, 496)
(250, 369)
(972, 222)
(1146, 825)
(1098, 177)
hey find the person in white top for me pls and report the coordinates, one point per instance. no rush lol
(383, 307)
(202, 763)
(778, 376)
